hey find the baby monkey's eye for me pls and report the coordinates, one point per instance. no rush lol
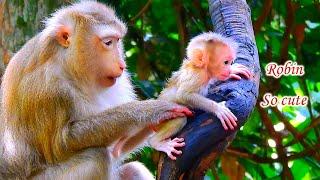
(226, 62)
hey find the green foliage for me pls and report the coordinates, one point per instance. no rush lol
(154, 40)
(155, 48)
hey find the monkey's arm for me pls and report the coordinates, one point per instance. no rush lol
(104, 128)
(195, 100)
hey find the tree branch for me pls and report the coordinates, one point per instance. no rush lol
(289, 26)
(204, 135)
(255, 158)
(267, 6)
(182, 29)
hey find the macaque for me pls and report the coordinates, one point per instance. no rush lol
(209, 58)
(66, 99)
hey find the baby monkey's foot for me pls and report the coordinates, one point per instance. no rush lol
(169, 147)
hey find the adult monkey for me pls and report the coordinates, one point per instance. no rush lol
(58, 98)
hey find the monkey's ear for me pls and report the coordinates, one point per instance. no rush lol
(63, 36)
(198, 58)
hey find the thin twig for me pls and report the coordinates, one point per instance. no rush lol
(286, 173)
(255, 158)
(267, 6)
(143, 10)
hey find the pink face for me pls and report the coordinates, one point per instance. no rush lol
(220, 59)
(109, 64)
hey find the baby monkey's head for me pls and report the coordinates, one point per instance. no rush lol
(214, 53)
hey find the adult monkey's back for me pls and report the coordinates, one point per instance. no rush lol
(204, 135)
(59, 94)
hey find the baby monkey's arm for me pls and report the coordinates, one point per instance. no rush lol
(196, 100)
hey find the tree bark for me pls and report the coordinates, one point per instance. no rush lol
(20, 21)
(204, 135)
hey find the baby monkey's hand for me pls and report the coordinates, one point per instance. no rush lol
(239, 69)
(226, 117)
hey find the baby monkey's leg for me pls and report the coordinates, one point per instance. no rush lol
(161, 140)
(118, 146)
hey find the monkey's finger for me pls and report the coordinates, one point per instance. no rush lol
(228, 122)
(179, 114)
(232, 118)
(171, 156)
(179, 144)
(234, 76)
(243, 72)
(178, 140)
(234, 123)
(225, 127)
(247, 73)
(171, 116)
(176, 152)
(231, 115)
(229, 112)
(183, 110)
(251, 74)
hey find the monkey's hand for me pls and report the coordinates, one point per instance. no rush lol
(239, 69)
(169, 146)
(227, 118)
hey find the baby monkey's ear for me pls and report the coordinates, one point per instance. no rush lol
(199, 58)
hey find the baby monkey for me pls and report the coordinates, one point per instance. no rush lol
(209, 58)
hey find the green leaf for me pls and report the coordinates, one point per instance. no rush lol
(300, 169)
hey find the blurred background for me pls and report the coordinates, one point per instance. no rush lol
(274, 139)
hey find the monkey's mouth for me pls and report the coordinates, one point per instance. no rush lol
(112, 78)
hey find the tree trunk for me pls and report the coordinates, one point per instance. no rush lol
(204, 135)
(20, 21)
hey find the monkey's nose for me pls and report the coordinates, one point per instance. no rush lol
(122, 66)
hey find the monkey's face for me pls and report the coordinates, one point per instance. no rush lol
(92, 40)
(104, 53)
(107, 46)
(109, 63)
(220, 59)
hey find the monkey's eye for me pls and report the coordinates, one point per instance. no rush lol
(226, 62)
(107, 42)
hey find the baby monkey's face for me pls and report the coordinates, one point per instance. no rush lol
(220, 59)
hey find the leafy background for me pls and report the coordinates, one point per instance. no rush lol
(274, 140)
